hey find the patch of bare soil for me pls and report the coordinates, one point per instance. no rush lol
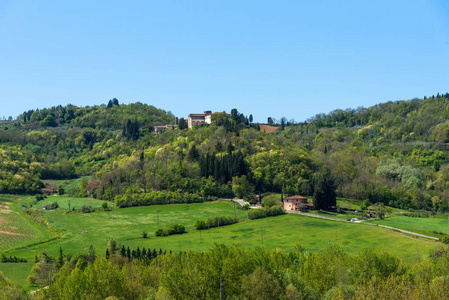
(12, 233)
(268, 128)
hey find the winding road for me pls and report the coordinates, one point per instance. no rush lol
(361, 222)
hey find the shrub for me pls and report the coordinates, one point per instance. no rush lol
(86, 208)
(104, 205)
(144, 235)
(200, 224)
(162, 232)
(54, 205)
(174, 229)
(215, 222)
(265, 212)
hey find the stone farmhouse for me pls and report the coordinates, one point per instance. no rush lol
(296, 203)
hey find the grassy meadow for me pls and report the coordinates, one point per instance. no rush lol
(421, 225)
(76, 231)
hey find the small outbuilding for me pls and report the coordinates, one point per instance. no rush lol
(48, 207)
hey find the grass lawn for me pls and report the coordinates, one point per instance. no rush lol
(421, 225)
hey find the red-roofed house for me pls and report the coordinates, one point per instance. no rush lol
(296, 202)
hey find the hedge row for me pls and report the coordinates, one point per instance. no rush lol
(158, 197)
(174, 229)
(265, 212)
(215, 222)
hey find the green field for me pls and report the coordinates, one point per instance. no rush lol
(17, 229)
(421, 225)
(63, 202)
(78, 231)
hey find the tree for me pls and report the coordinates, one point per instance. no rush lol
(261, 285)
(250, 118)
(43, 271)
(115, 101)
(110, 104)
(324, 191)
(182, 124)
(380, 210)
(242, 187)
(234, 114)
(48, 121)
(91, 254)
(60, 261)
(270, 120)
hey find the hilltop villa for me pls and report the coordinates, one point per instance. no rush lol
(204, 118)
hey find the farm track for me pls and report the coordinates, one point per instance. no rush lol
(361, 222)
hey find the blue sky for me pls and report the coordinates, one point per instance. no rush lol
(290, 59)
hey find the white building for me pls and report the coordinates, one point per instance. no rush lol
(195, 119)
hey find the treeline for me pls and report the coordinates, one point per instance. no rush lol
(12, 259)
(110, 116)
(155, 197)
(241, 273)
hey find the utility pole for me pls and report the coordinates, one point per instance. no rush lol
(222, 289)
(69, 205)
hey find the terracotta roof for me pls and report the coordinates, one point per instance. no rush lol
(197, 115)
(295, 197)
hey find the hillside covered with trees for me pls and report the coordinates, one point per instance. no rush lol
(393, 153)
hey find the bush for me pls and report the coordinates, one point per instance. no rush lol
(86, 208)
(54, 205)
(61, 191)
(174, 229)
(162, 232)
(144, 235)
(265, 212)
(215, 222)
(104, 205)
(200, 224)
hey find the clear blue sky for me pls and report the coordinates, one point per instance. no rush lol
(267, 58)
